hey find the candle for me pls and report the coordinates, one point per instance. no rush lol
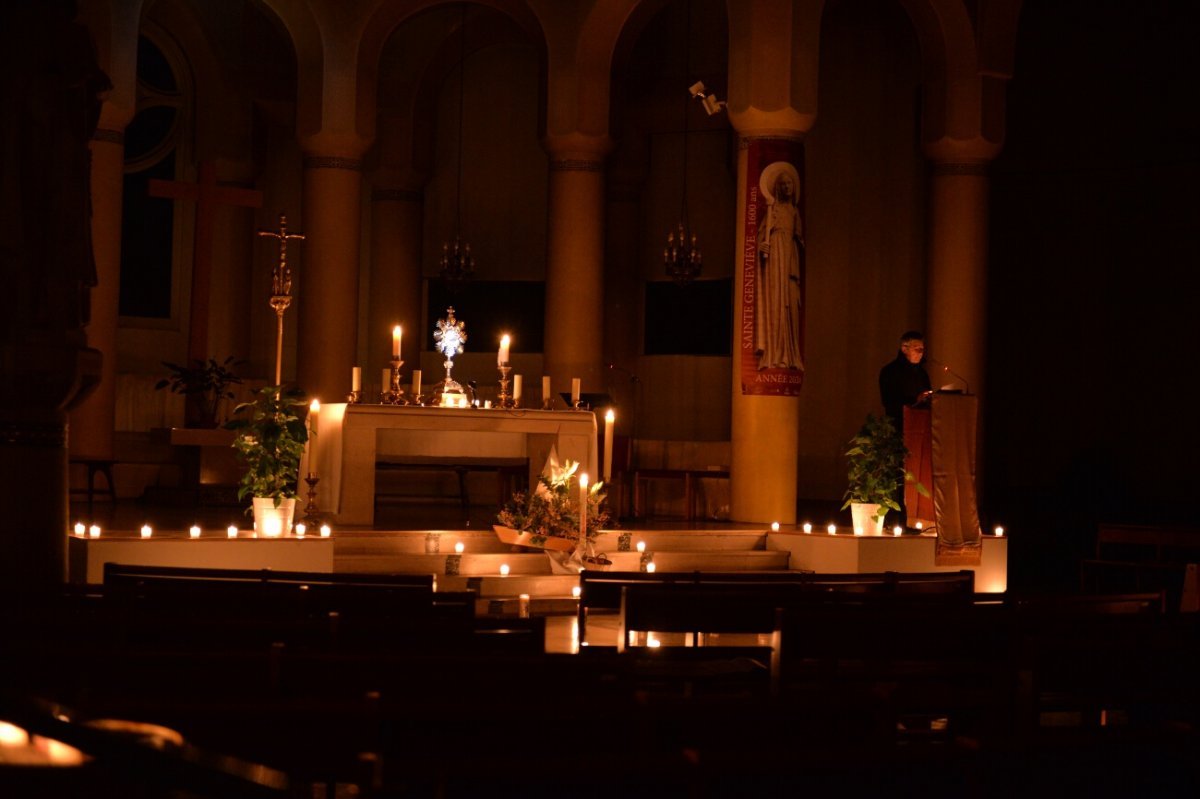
(502, 355)
(232, 531)
(807, 527)
(314, 416)
(385, 381)
(576, 591)
(583, 492)
(523, 605)
(545, 387)
(641, 546)
(609, 418)
(146, 531)
(832, 529)
(516, 388)
(999, 531)
(356, 378)
(325, 531)
(574, 390)
(80, 530)
(897, 530)
(919, 525)
(774, 527)
(650, 567)
(94, 531)
(459, 547)
(503, 569)
(858, 531)
(194, 531)
(300, 529)
(396, 334)
(416, 382)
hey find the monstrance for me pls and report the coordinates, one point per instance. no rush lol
(450, 336)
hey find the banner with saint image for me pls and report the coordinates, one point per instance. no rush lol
(771, 311)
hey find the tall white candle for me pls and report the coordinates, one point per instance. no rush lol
(314, 416)
(545, 387)
(583, 493)
(502, 355)
(356, 378)
(516, 388)
(609, 418)
(385, 380)
(396, 334)
(416, 382)
(574, 390)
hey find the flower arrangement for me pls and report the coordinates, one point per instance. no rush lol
(552, 509)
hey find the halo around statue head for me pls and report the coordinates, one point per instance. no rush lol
(771, 173)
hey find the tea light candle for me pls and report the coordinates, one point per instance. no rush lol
(897, 530)
(999, 531)
(650, 567)
(920, 526)
(516, 388)
(94, 531)
(583, 494)
(146, 531)
(831, 529)
(609, 417)
(641, 546)
(502, 355)
(858, 531)
(325, 531)
(575, 382)
(774, 527)
(576, 591)
(503, 569)
(545, 387)
(807, 527)
(459, 548)
(194, 531)
(300, 529)
(396, 334)
(232, 531)
(356, 378)
(416, 382)
(80, 530)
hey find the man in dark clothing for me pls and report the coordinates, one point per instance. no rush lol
(904, 381)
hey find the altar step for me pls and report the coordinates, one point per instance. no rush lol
(476, 564)
(414, 542)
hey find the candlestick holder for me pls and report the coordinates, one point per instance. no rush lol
(505, 399)
(354, 398)
(394, 395)
(312, 514)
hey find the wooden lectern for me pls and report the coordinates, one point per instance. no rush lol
(941, 446)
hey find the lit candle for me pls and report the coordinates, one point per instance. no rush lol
(641, 546)
(523, 606)
(807, 527)
(94, 531)
(609, 418)
(858, 531)
(516, 388)
(300, 529)
(232, 531)
(396, 334)
(502, 355)
(920, 526)
(356, 378)
(146, 531)
(832, 529)
(459, 547)
(583, 493)
(999, 531)
(416, 382)
(545, 387)
(503, 569)
(774, 527)
(80, 530)
(325, 531)
(650, 567)
(576, 591)
(194, 531)
(314, 416)
(897, 530)
(574, 390)
(652, 642)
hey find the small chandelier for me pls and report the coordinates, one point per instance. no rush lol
(682, 257)
(457, 264)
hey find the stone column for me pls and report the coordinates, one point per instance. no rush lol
(328, 276)
(575, 263)
(397, 216)
(92, 422)
(957, 278)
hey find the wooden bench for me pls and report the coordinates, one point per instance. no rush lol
(1132, 558)
(512, 474)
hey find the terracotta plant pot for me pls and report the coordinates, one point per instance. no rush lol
(523, 539)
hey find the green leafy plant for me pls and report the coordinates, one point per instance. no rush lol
(875, 466)
(552, 509)
(204, 384)
(270, 440)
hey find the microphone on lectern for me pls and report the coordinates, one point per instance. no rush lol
(947, 370)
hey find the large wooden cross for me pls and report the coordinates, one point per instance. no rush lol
(207, 195)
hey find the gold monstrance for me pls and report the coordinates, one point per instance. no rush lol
(450, 336)
(281, 287)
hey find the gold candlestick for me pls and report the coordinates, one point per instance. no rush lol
(395, 392)
(505, 399)
(312, 515)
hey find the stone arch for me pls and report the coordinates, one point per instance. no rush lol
(308, 46)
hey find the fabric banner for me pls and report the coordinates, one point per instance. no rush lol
(771, 312)
(959, 540)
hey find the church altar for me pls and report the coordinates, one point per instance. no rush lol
(350, 438)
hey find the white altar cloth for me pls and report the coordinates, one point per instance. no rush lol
(350, 439)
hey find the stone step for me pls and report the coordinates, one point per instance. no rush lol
(469, 564)
(683, 540)
(414, 542)
(732, 561)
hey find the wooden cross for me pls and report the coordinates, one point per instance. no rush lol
(281, 288)
(207, 195)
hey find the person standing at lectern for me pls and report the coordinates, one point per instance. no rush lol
(904, 381)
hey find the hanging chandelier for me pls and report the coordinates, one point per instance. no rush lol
(682, 257)
(458, 264)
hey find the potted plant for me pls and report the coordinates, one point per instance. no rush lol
(548, 517)
(203, 386)
(875, 474)
(270, 438)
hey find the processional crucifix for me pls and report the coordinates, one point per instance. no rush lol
(281, 287)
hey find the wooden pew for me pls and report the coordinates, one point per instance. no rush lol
(1140, 557)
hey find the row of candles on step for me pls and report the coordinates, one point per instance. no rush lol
(454, 562)
(298, 530)
(998, 531)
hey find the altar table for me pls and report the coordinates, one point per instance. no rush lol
(351, 439)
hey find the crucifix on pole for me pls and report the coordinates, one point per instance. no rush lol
(281, 287)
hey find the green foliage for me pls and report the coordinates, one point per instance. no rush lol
(270, 440)
(875, 466)
(205, 383)
(552, 509)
